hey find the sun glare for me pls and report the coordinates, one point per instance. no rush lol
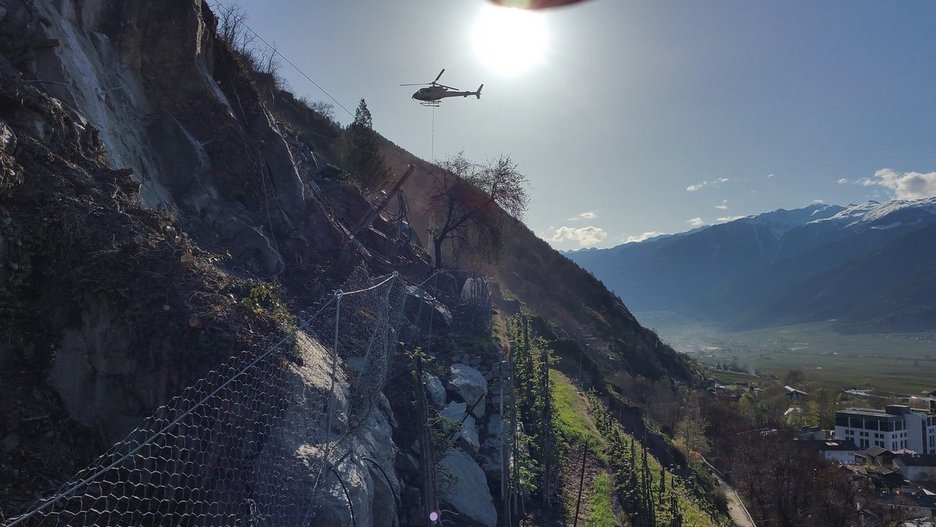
(509, 41)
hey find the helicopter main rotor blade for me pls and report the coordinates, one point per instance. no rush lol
(438, 76)
(416, 84)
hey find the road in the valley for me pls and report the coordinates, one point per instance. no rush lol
(736, 510)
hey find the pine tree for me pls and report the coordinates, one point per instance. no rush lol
(362, 155)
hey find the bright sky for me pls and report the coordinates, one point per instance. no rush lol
(642, 116)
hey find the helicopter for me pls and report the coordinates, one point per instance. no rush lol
(434, 92)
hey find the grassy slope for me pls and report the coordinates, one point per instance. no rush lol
(601, 513)
(573, 417)
(575, 421)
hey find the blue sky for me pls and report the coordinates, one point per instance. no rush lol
(646, 116)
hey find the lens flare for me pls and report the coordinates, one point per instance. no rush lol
(510, 41)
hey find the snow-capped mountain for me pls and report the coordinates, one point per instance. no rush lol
(874, 212)
(780, 267)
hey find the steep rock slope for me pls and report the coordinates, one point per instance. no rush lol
(566, 295)
(174, 106)
(144, 190)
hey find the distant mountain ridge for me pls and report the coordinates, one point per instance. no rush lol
(864, 265)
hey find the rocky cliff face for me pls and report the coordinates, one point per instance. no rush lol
(149, 200)
(173, 105)
(145, 188)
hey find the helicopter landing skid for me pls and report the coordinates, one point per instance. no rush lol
(433, 104)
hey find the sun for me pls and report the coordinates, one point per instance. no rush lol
(510, 41)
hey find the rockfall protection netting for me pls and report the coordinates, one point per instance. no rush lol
(251, 443)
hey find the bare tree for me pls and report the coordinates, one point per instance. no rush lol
(232, 27)
(323, 108)
(468, 203)
(690, 429)
(268, 63)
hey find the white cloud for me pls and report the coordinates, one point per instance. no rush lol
(584, 236)
(723, 205)
(769, 176)
(818, 201)
(702, 184)
(588, 215)
(905, 185)
(642, 236)
(695, 222)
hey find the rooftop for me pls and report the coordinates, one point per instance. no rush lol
(875, 451)
(864, 411)
(828, 445)
(919, 460)
(892, 410)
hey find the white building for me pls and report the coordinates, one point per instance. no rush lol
(894, 428)
(838, 451)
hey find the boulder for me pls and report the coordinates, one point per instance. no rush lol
(454, 411)
(464, 427)
(467, 437)
(435, 389)
(425, 311)
(467, 384)
(465, 490)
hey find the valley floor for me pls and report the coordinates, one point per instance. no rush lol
(902, 362)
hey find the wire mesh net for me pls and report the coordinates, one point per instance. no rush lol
(250, 443)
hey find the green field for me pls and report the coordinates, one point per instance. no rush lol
(904, 363)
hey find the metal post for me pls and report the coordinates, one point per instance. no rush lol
(334, 369)
(578, 501)
(379, 206)
(428, 459)
(515, 450)
(505, 505)
(546, 424)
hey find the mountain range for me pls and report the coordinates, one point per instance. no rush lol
(868, 267)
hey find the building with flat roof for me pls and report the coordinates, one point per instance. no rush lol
(894, 428)
(839, 451)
